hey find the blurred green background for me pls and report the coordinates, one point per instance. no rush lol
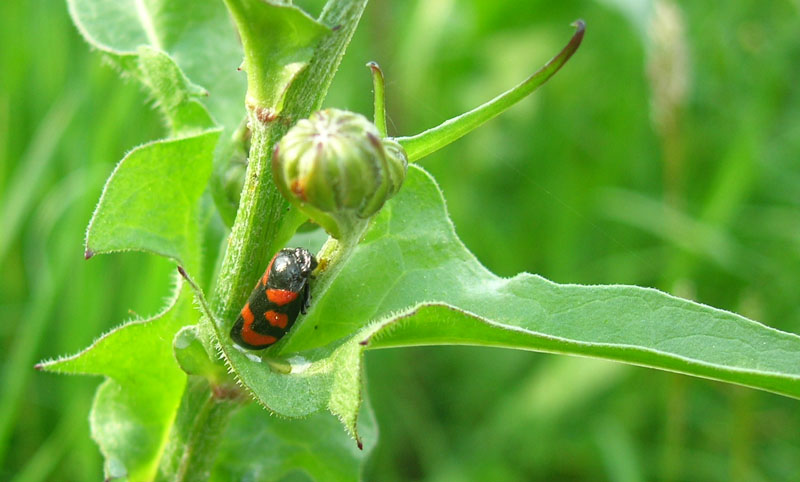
(665, 154)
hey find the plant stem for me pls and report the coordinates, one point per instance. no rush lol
(261, 208)
(210, 425)
(258, 221)
(261, 223)
(197, 431)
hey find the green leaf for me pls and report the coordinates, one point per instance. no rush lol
(198, 35)
(260, 447)
(278, 41)
(412, 282)
(175, 95)
(150, 202)
(424, 143)
(135, 407)
(192, 357)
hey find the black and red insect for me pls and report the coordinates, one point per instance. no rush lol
(279, 296)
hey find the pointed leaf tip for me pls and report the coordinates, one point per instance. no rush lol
(88, 253)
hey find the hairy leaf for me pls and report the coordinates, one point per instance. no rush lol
(135, 407)
(198, 35)
(175, 95)
(150, 202)
(192, 357)
(412, 282)
(278, 41)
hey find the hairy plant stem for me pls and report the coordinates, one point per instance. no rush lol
(199, 431)
(209, 427)
(255, 230)
(261, 222)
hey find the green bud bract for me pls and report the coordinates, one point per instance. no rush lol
(335, 167)
(397, 162)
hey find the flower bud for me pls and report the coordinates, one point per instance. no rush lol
(335, 167)
(398, 164)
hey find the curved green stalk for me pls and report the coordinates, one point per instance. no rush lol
(433, 139)
(380, 103)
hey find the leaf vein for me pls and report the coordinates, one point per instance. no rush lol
(147, 24)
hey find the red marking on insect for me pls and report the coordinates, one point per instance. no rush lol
(247, 315)
(251, 336)
(257, 339)
(281, 297)
(277, 319)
